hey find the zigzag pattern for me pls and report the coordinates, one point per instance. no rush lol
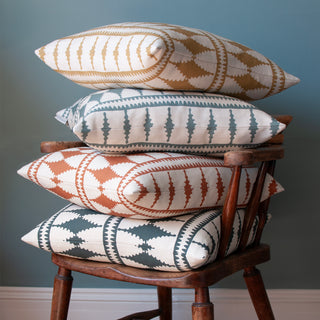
(186, 236)
(110, 239)
(43, 233)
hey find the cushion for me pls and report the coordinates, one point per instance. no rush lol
(146, 185)
(165, 57)
(135, 120)
(176, 244)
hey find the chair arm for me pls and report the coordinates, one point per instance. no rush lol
(283, 118)
(52, 146)
(250, 156)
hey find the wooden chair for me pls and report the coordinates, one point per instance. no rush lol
(245, 258)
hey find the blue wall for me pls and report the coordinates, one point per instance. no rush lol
(30, 94)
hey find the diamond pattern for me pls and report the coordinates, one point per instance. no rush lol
(146, 259)
(76, 240)
(191, 69)
(194, 46)
(78, 224)
(58, 167)
(78, 252)
(248, 59)
(148, 231)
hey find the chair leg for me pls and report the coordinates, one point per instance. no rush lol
(202, 308)
(258, 293)
(165, 302)
(61, 294)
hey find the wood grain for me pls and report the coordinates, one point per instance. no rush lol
(229, 210)
(202, 308)
(53, 146)
(253, 204)
(258, 293)
(61, 294)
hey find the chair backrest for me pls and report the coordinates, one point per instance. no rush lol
(266, 155)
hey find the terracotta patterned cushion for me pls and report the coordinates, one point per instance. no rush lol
(165, 57)
(135, 120)
(176, 244)
(146, 185)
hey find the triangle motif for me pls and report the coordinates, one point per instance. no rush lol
(59, 167)
(104, 174)
(148, 260)
(193, 46)
(248, 82)
(190, 69)
(248, 59)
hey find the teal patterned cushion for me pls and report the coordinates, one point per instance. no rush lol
(134, 120)
(174, 244)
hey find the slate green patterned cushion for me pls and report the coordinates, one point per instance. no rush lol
(133, 120)
(174, 244)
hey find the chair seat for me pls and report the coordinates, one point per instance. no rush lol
(208, 274)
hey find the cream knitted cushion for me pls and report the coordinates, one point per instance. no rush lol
(134, 120)
(176, 244)
(165, 57)
(145, 185)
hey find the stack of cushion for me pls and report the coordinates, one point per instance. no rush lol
(145, 192)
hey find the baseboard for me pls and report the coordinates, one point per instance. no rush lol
(29, 303)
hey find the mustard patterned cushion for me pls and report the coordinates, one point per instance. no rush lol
(133, 120)
(142, 186)
(176, 244)
(165, 57)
